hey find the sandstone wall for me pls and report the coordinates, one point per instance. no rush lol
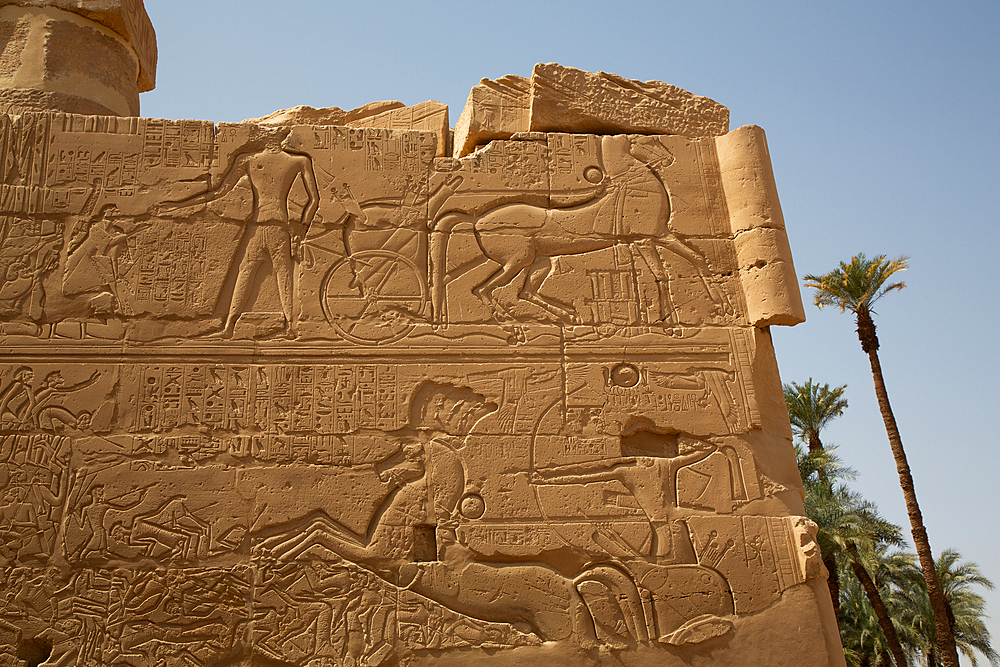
(316, 395)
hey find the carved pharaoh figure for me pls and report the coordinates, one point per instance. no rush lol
(270, 235)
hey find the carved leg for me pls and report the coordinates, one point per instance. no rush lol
(697, 260)
(253, 257)
(438, 257)
(626, 592)
(279, 247)
(647, 250)
(515, 253)
(321, 531)
(583, 622)
(537, 273)
(241, 292)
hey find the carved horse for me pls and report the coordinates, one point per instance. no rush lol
(631, 207)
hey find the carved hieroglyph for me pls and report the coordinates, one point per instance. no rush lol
(312, 395)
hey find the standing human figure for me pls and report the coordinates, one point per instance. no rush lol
(272, 171)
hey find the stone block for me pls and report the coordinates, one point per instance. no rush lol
(496, 109)
(307, 115)
(79, 56)
(430, 116)
(565, 99)
(764, 258)
(127, 18)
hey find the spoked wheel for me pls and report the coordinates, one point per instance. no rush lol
(374, 297)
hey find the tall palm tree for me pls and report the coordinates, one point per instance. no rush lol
(811, 407)
(856, 286)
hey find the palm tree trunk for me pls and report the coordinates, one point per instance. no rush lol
(944, 635)
(871, 590)
(816, 445)
(833, 582)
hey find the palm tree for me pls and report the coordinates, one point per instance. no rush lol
(811, 407)
(967, 606)
(856, 286)
(848, 525)
(817, 468)
(896, 574)
(863, 639)
(874, 596)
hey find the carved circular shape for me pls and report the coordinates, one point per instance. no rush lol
(472, 506)
(373, 297)
(625, 375)
(593, 174)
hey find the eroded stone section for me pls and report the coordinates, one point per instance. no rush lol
(127, 18)
(496, 109)
(572, 100)
(306, 115)
(55, 59)
(315, 395)
(566, 99)
(763, 255)
(430, 116)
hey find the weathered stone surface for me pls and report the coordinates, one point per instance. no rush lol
(566, 99)
(127, 18)
(306, 115)
(495, 110)
(763, 256)
(82, 56)
(313, 395)
(430, 115)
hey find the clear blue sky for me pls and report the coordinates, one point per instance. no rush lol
(882, 124)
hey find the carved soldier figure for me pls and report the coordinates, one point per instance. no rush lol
(18, 400)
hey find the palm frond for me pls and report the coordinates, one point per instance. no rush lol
(856, 285)
(811, 407)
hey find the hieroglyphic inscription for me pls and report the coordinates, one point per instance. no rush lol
(334, 398)
(168, 269)
(383, 149)
(272, 399)
(517, 164)
(177, 144)
(264, 447)
(24, 144)
(130, 147)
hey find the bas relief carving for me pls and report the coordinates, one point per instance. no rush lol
(314, 396)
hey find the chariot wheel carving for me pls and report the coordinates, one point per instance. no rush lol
(374, 297)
